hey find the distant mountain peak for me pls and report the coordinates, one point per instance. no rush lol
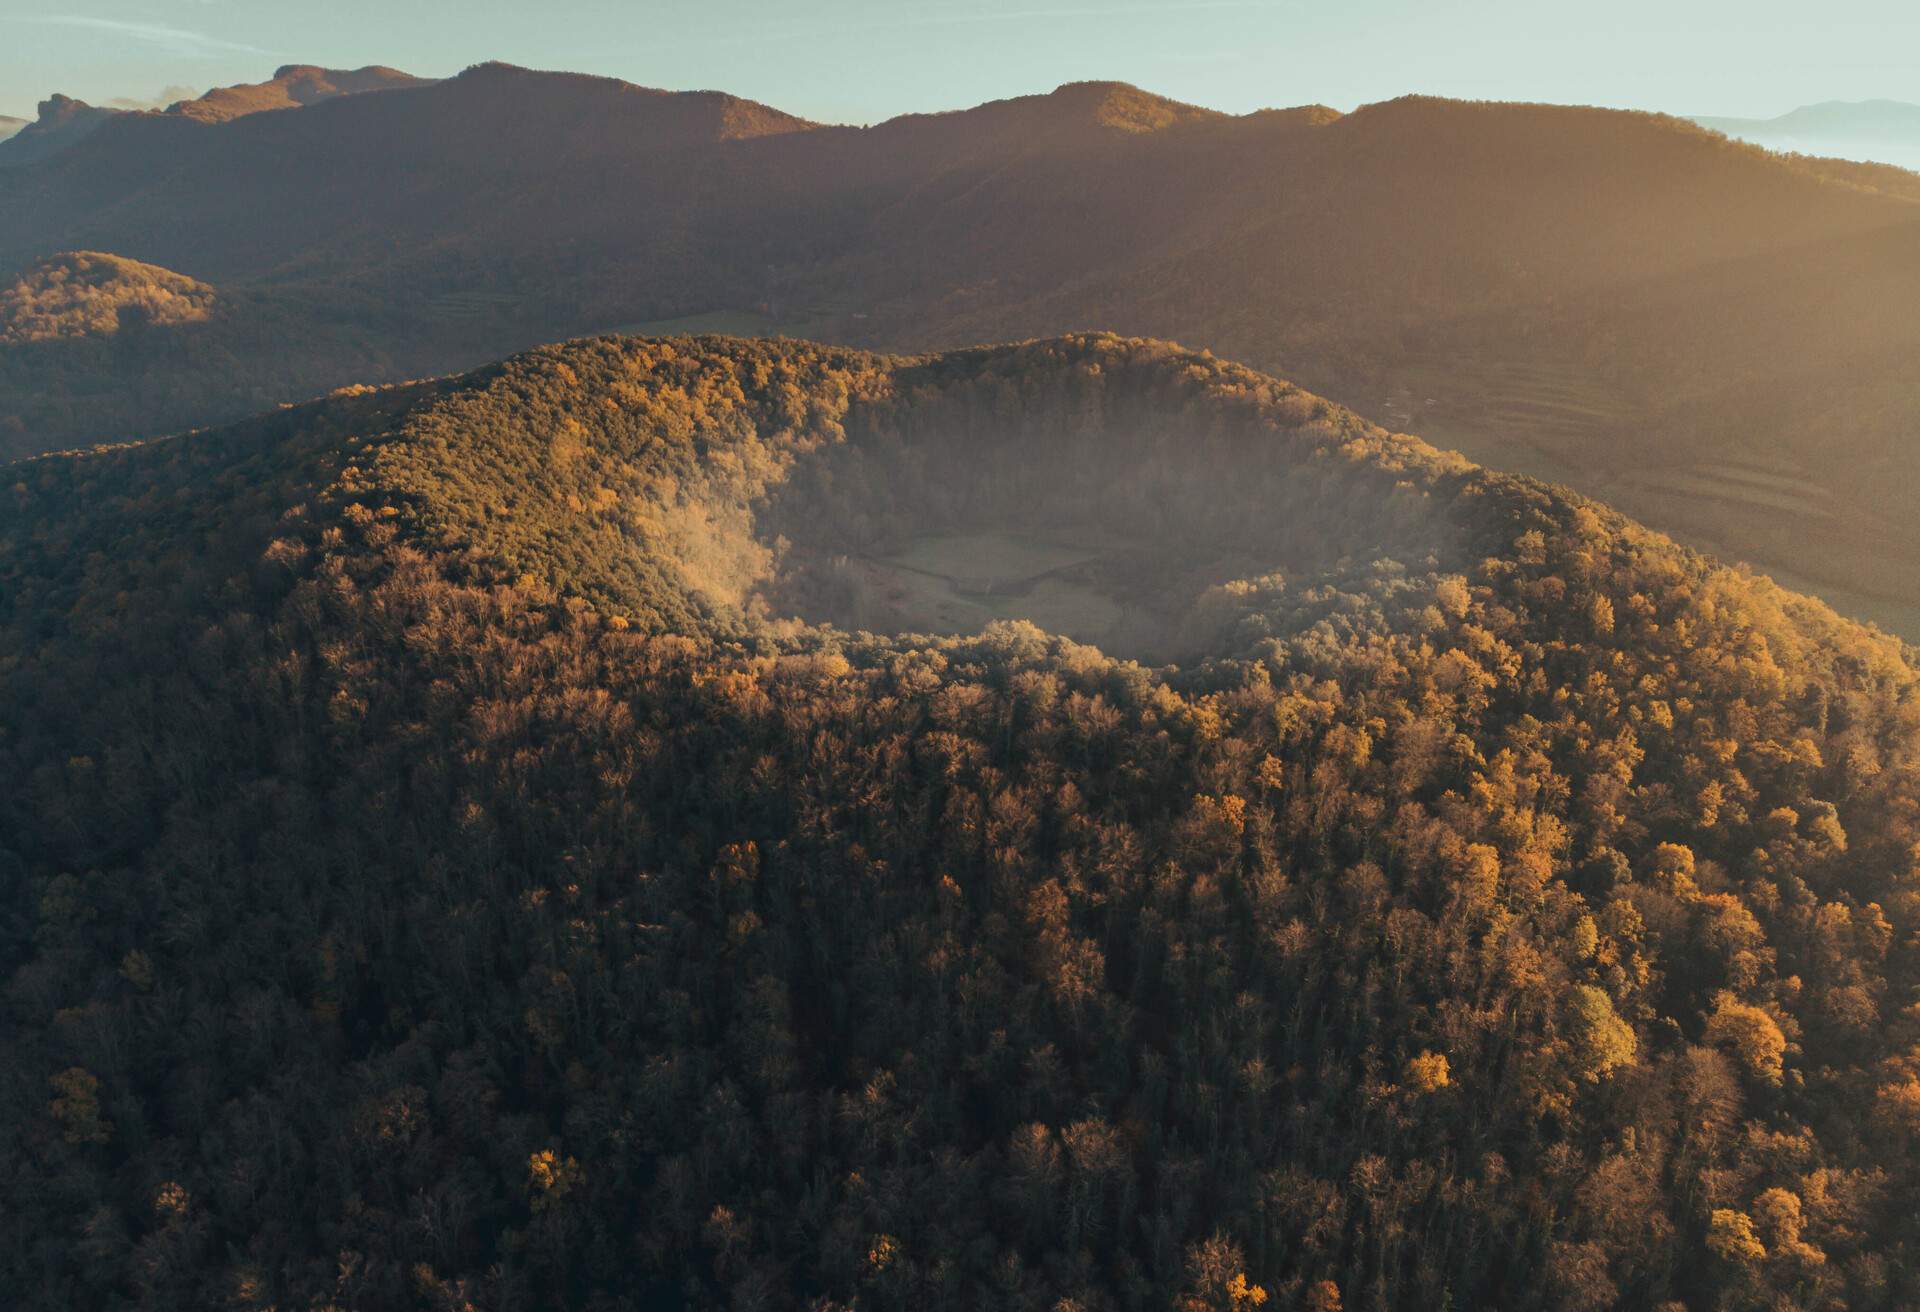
(501, 68)
(57, 107)
(1074, 112)
(288, 71)
(695, 115)
(62, 121)
(1315, 115)
(1126, 108)
(292, 86)
(1877, 113)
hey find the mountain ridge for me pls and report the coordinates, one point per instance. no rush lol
(1828, 115)
(291, 85)
(64, 122)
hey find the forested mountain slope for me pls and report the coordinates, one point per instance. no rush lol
(1716, 339)
(446, 860)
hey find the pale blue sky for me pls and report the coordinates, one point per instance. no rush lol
(862, 60)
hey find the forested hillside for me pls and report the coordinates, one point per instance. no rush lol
(87, 294)
(85, 333)
(451, 856)
(1718, 340)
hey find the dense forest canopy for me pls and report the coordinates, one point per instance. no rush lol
(474, 844)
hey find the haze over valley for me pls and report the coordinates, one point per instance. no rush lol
(1871, 131)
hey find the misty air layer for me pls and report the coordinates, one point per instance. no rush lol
(618, 699)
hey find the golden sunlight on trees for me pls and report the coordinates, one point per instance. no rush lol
(171, 1201)
(1602, 1041)
(1216, 1282)
(1730, 1237)
(1428, 1072)
(1777, 1218)
(550, 1178)
(1324, 1296)
(1750, 1034)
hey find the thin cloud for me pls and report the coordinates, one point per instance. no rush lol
(172, 40)
(167, 96)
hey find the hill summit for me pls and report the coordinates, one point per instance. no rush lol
(91, 294)
(589, 112)
(1126, 108)
(627, 826)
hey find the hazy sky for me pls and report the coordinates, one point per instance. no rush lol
(862, 60)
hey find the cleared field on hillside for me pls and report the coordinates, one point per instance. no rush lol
(1541, 418)
(959, 583)
(962, 582)
(1558, 421)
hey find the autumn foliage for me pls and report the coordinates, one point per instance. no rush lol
(442, 864)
